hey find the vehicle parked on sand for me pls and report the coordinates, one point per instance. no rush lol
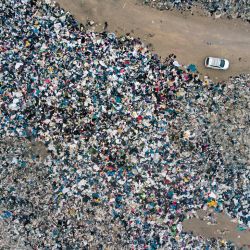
(216, 63)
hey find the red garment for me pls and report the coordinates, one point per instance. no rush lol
(139, 118)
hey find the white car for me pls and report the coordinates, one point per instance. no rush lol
(216, 63)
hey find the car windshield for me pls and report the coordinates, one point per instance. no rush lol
(222, 63)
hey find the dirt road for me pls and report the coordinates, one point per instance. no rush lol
(190, 37)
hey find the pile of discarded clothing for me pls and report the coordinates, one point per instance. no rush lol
(218, 8)
(103, 145)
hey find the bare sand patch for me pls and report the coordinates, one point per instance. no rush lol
(219, 226)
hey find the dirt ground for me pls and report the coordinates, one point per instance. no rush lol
(190, 37)
(223, 228)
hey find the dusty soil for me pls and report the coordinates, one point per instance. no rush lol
(28, 148)
(190, 37)
(37, 148)
(223, 228)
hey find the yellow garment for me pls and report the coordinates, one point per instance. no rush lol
(206, 82)
(50, 69)
(27, 44)
(223, 242)
(212, 203)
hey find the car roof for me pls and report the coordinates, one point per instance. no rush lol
(214, 61)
